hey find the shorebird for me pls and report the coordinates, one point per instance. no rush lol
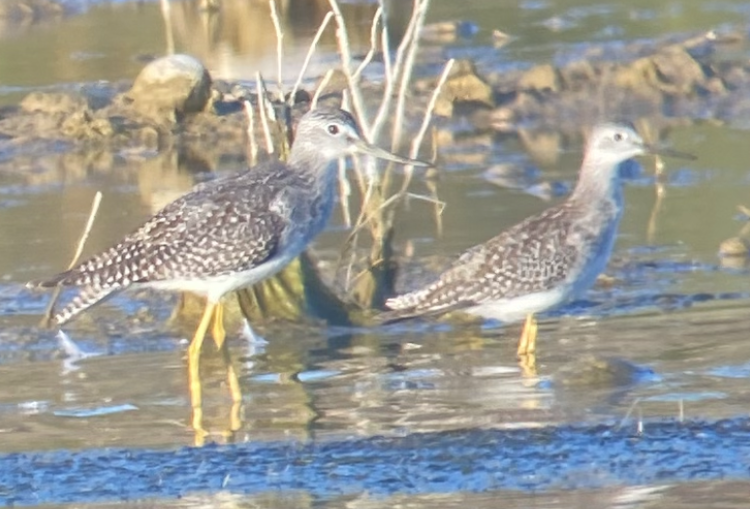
(229, 233)
(547, 259)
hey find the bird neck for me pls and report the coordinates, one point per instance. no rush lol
(305, 157)
(598, 181)
(319, 168)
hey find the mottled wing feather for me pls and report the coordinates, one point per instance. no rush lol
(229, 225)
(533, 256)
(219, 228)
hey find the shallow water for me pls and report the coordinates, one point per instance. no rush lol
(674, 323)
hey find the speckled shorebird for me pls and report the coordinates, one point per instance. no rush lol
(546, 260)
(230, 233)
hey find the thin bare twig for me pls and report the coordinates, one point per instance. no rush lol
(429, 199)
(345, 191)
(308, 57)
(417, 143)
(279, 45)
(346, 59)
(439, 207)
(373, 44)
(653, 218)
(321, 87)
(47, 318)
(268, 104)
(370, 168)
(368, 177)
(431, 108)
(251, 131)
(406, 76)
(632, 407)
(369, 217)
(261, 91)
(385, 45)
(385, 105)
(166, 13)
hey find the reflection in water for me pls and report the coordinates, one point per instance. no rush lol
(167, 176)
(323, 383)
(315, 386)
(234, 41)
(238, 39)
(670, 321)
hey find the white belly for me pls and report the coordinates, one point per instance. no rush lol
(514, 310)
(215, 288)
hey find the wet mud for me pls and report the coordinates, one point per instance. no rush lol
(467, 461)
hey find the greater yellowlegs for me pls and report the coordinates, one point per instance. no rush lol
(545, 260)
(229, 233)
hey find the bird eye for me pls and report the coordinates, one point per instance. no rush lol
(618, 137)
(333, 129)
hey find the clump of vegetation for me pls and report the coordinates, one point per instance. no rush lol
(366, 269)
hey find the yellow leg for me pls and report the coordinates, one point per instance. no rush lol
(234, 383)
(527, 347)
(527, 363)
(219, 335)
(218, 332)
(527, 342)
(194, 355)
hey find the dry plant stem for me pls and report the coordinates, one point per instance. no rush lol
(321, 87)
(251, 132)
(371, 201)
(357, 161)
(263, 115)
(346, 58)
(428, 199)
(374, 203)
(279, 45)
(79, 250)
(433, 158)
(282, 126)
(308, 57)
(385, 45)
(366, 218)
(439, 207)
(286, 132)
(658, 165)
(166, 13)
(633, 406)
(270, 110)
(431, 108)
(345, 191)
(373, 45)
(651, 229)
(407, 72)
(409, 170)
(392, 77)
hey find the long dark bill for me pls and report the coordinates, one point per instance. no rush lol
(363, 147)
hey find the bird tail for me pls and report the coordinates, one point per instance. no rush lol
(400, 307)
(60, 279)
(87, 296)
(393, 316)
(410, 305)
